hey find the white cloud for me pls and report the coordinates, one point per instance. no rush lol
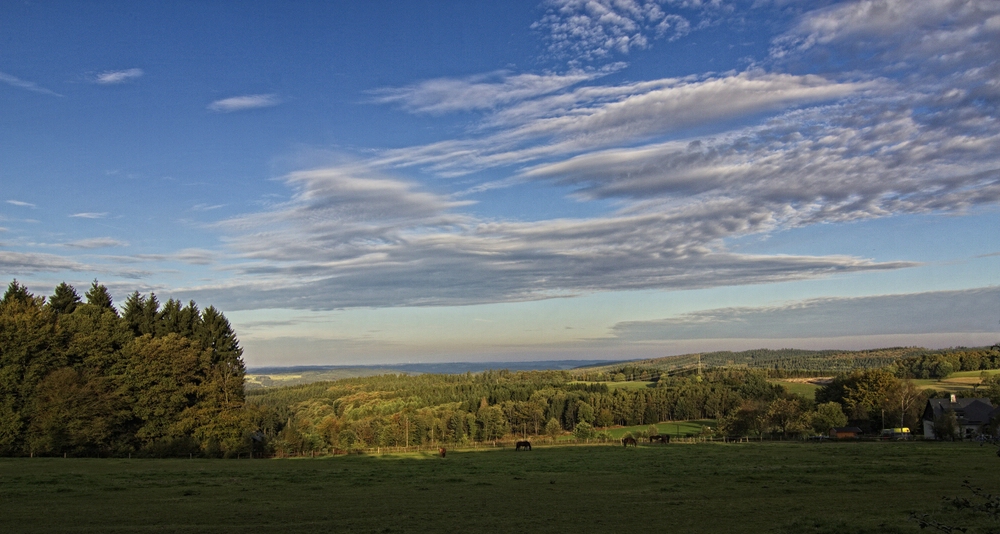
(96, 242)
(207, 207)
(21, 204)
(353, 237)
(192, 256)
(112, 77)
(239, 103)
(27, 263)
(880, 34)
(14, 81)
(90, 215)
(594, 117)
(588, 30)
(489, 91)
(691, 164)
(863, 159)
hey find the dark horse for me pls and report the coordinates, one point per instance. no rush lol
(661, 439)
(522, 446)
(629, 441)
(441, 451)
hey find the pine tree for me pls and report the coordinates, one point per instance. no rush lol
(225, 356)
(132, 313)
(99, 296)
(16, 293)
(28, 352)
(64, 300)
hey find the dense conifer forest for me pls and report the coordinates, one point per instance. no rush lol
(78, 377)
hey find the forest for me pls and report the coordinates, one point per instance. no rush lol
(903, 362)
(407, 411)
(80, 377)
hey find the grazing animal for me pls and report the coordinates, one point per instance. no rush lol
(441, 451)
(661, 439)
(522, 446)
(629, 441)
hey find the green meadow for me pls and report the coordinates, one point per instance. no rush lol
(805, 389)
(706, 487)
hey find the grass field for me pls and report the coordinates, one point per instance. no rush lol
(805, 389)
(751, 487)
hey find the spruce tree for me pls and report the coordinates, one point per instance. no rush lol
(99, 296)
(29, 350)
(16, 293)
(132, 313)
(64, 300)
(150, 315)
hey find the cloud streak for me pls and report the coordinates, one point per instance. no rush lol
(29, 263)
(965, 311)
(14, 81)
(114, 77)
(96, 242)
(484, 92)
(241, 103)
(353, 237)
(595, 117)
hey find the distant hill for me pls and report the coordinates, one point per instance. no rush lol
(781, 362)
(263, 377)
(792, 361)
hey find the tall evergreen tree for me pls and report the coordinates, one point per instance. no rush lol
(132, 313)
(150, 315)
(171, 320)
(16, 293)
(99, 296)
(28, 352)
(225, 356)
(64, 300)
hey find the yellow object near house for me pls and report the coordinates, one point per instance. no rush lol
(899, 432)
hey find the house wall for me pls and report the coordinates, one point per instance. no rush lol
(929, 430)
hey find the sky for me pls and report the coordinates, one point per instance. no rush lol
(382, 182)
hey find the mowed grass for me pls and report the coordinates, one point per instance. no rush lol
(710, 487)
(805, 389)
(676, 429)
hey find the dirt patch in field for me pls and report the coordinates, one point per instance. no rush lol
(817, 380)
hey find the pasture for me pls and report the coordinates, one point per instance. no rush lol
(712, 487)
(963, 381)
(799, 387)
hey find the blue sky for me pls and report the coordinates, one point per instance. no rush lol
(384, 182)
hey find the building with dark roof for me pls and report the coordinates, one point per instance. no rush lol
(972, 414)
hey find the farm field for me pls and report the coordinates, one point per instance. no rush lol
(799, 387)
(679, 428)
(749, 487)
(960, 381)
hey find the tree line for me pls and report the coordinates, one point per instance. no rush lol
(423, 410)
(904, 362)
(80, 377)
